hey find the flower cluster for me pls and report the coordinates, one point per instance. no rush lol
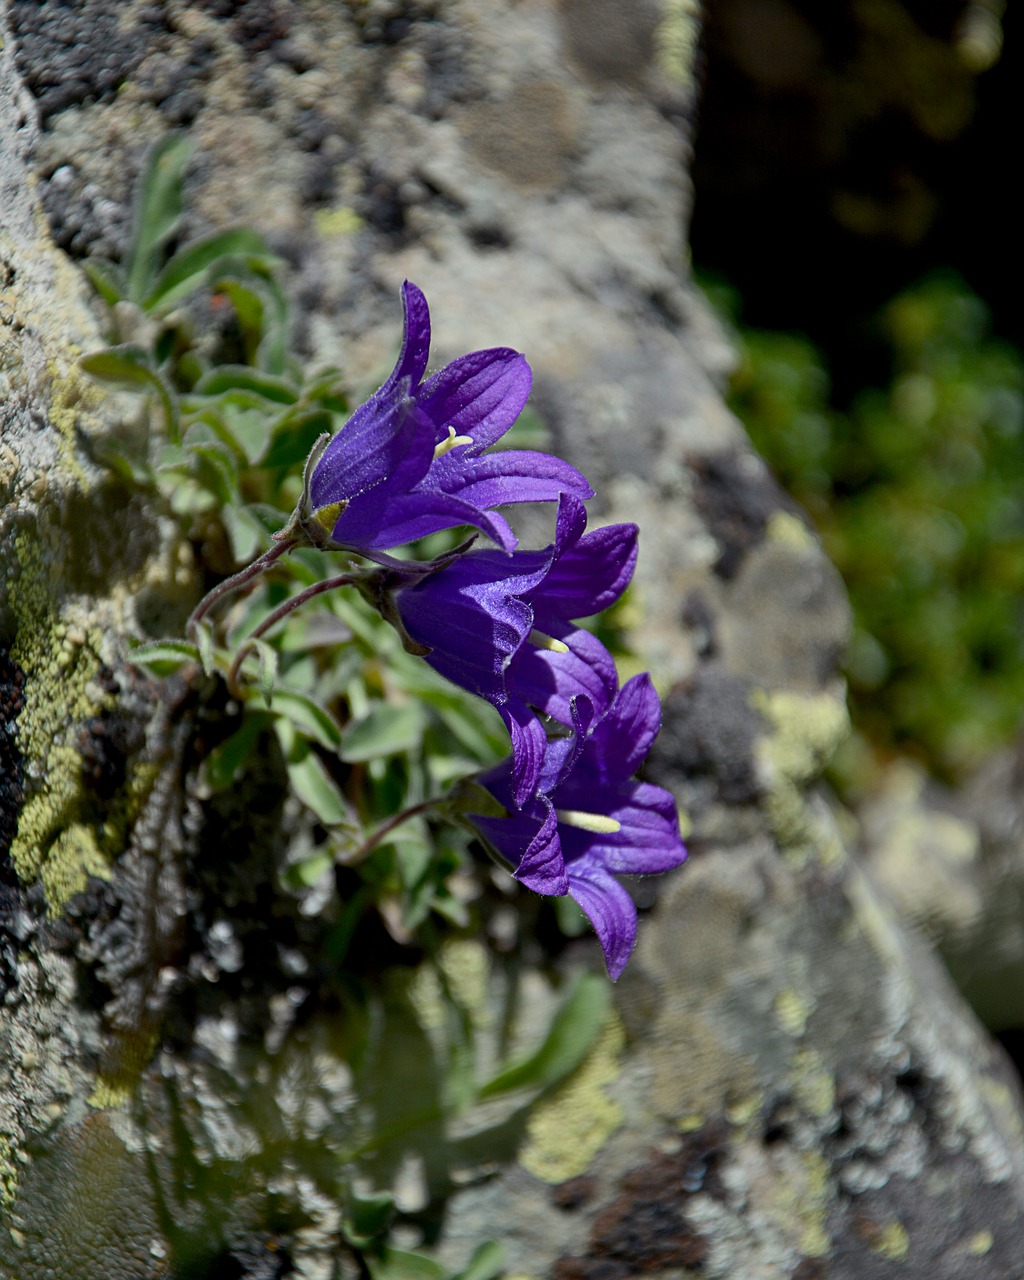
(503, 623)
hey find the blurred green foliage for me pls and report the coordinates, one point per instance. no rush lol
(917, 488)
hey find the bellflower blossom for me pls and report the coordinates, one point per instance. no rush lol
(589, 821)
(502, 627)
(411, 460)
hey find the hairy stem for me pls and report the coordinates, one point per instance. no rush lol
(282, 611)
(237, 580)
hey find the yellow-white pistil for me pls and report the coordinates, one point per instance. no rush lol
(599, 823)
(453, 441)
(542, 641)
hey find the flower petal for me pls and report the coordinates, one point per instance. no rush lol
(412, 359)
(612, 913)
(384, 437)
(548, 680)
(590, 574)
(623, 736)
(542, 868)
(472, 633)
(647, 841)
(511, 475)
(405, 516)
(480, 395)
(528, 744)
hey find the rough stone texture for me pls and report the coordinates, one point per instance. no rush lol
(790, 1088)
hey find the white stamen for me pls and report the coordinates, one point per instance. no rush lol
(599, 823)
(547, 642)
(446, 446)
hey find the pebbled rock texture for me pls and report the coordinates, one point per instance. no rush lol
(789, 1087)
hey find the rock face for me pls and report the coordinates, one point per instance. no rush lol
(788, 1087)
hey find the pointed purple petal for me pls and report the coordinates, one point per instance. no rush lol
(472, 634)
(648, 839)
(511, 475)
(480, 395)
(384, 436)
(590, 575)
(528, 744)
(611, 912)
(407, 516)
(548, 680)
(623, 736)
(412, 359)
(542, 868)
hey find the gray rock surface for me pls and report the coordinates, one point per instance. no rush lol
(789, 1088)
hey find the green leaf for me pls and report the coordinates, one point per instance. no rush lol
(569, 1039)
(246, 533)
(294, 435)
(137, 472)
(158, 212)
(307, 716)
(385, 731)
(107, 279)
(227, 760)
(197, 261)
(317, 790)
(242, 377)
(131, 366)
(487, 1263)
(164, 656)
(305, 874)
(204, 639)
(261, 309)
(397, 1264)
(368, 1217)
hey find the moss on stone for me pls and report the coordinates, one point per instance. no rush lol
(60, 662)
(565, 1132)
(676, 40)
(807, 730)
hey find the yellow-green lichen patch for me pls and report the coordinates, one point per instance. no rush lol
(891, 1241)
(341, 222)
(791, 1011)
(790, 531)
(8, 1172)
(980, 1243)
(72, 858)
(676, 40)
(73, 398)
(798, 1201)
(59, 660)
(812, 1084)
(463, 968)
(59, 663)
(807, 730)
(566, 1131)
(116, 1088)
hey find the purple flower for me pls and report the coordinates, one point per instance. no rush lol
(502, 627)
(588, 820)
(410, 461)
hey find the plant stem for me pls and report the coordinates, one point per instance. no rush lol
(282, 611)
(387, 827)
(236, 581)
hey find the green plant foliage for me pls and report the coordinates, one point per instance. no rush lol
(367, 733)
(918, 491)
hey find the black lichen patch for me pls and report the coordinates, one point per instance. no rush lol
(644, 1229)
(736, 495)
(75, 51)
(708, 734)
(12, 776)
